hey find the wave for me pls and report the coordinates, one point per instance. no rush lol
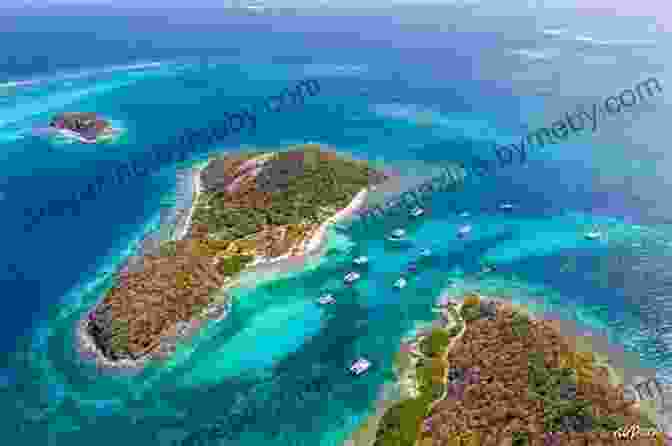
(81, 74)
(554, 32)
(334, 70)
(536, 55)
(598, 42)
(447, 125)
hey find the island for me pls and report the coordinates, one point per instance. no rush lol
(86, 127)
(490, 373)
(250, 209)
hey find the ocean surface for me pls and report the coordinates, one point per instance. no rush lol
(411, 88)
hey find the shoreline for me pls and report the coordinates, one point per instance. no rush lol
(182, 227)
(87, 348)
(365, 433)
(310, 246)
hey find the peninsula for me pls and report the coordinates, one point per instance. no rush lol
(489, 373)
(250, 209)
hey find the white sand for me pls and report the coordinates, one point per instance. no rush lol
(318, 238)
(196, 178)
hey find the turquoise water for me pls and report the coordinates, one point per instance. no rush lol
(274, 372)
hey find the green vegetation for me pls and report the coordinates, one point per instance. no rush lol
(520, 438)
(608, 423)
(323, 184)
(431, 375)
(454, 331)
(400, 424)
(435, 343)
(520, 324)
(470, 312)
(646, 423)
(402, 360)
(168, 249)
(120, 335)
(232, 265)
(545, 385)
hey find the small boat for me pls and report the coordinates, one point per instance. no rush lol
(488, 269)
(417, 211)
(397, 235)
(327, 299)
(361, 260)
(465, 214)
(351, 277)
(464, 230)
(593, 235)
(412, 267)
(426, 252)
(506, 206)
(360, 366)
(400, 283)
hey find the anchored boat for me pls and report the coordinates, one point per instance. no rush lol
(397, 235)
(361, 260)
(327, 299)
(417, 211)
(463, 231)
(593, 235)
(506, 206)
(360, 366)
(351, 277)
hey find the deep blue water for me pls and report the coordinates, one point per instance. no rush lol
(412, 88)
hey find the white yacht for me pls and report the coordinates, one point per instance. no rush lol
(506, 206)
(426, 252)
(361, 260)
(397, 235)
(400, 283)
(327, 299)
(593, 235)
(417, 211)
(465, 214)
(360, 366)
(351, 277)
(464, 230)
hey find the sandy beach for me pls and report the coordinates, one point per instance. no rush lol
(316, 241)
(184, 222)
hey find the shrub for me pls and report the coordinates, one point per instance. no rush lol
(435, 343)
(234, 264)
(454, 331)
(521, 438)
(520, 324)
(470, 312)
(400, 424)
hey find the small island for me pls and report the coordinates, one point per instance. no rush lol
(489, 373)
(250, 209)
(86, 127)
